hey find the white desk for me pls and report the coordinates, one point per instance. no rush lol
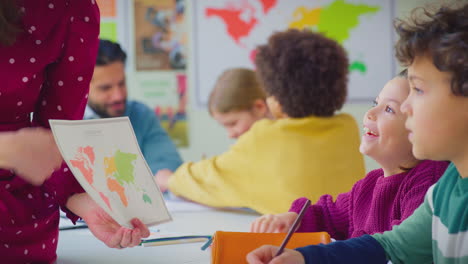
(80, 246)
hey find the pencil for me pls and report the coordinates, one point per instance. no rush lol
(174, 241)
(293, 228)
(63, 228)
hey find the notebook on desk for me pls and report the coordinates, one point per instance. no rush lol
(232, 247)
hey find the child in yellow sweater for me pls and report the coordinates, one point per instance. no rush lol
(306, 151)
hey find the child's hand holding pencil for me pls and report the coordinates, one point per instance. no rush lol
(279, 255)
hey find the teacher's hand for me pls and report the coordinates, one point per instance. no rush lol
(114, 235)
(103, 226)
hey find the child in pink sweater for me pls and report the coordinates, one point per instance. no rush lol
(386, 196)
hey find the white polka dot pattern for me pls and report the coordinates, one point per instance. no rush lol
(59, 90)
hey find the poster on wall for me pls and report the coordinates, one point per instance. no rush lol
(160, 63)
(160, 35)
(363, 27)
(108, 26)
(166, 93)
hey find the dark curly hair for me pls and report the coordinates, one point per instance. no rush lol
(304, 71)
(443, 35)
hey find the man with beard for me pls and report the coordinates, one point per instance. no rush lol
(108, 98)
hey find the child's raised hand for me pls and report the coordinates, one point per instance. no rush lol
(266, 254)
(279, 223)
(33, 154)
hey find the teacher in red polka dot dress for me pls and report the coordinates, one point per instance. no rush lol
(47, 55)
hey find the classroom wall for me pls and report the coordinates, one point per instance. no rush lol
(207, 138)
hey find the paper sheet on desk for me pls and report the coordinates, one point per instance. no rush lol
(177, 204)
(105, 158)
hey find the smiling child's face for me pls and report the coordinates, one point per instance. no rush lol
(385, 137)
(437, 119)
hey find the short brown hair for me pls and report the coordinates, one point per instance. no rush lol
(443, 35)
(235, 90)
(9, 22)
(306, 72)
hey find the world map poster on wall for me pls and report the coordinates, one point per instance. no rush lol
(228, 31)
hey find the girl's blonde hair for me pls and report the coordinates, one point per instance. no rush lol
(235, 90)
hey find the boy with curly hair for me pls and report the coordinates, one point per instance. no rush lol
(435, 49)
(306, 151)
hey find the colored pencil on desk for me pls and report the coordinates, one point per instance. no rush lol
(173, 240)
(72, 227)
(293, 228)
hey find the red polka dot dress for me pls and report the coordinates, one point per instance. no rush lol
(44, 75)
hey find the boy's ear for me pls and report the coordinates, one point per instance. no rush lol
(260, 107)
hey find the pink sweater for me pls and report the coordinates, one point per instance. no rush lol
(373, 205)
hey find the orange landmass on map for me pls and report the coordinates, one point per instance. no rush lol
(114, 186)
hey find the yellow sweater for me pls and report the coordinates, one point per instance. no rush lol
(276, 162)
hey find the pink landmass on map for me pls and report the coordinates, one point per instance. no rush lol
(267, 5)
(90, 153)
(106, 200)
(84, 159)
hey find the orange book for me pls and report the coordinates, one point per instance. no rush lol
(232, 247)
